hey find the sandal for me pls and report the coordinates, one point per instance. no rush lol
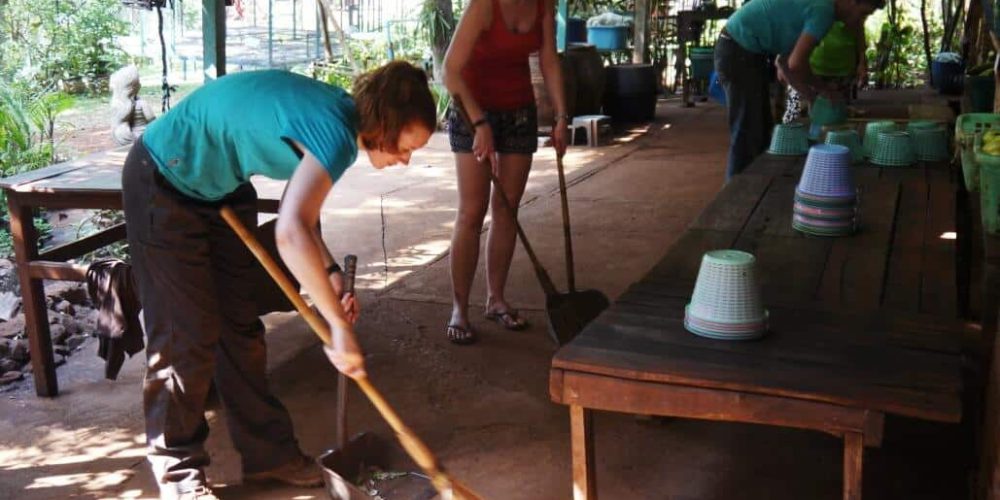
(509, 319)
(461, 335)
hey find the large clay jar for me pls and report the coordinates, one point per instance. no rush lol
(546, 110)
(590, 78)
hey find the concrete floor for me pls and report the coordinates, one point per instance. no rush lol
(483, 409)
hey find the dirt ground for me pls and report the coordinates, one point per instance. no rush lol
(484, 409)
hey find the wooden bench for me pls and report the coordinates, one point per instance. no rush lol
(91, 182)
(861, 326)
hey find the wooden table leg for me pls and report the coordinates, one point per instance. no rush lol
(854, 450)
(582, 436)
(36, 318)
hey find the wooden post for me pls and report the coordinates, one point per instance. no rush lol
(988, 487)
(641, 35)
(854, 451)
(996, 76)
(36, 324)
(996, 65)
(213, 38)
(582, 437)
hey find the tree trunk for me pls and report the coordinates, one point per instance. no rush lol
(324, 29)
(444, 25)
(951, 15)
(927, 38)
(970, 40)
(343, 38)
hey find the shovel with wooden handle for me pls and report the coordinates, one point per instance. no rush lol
(448, 487)
(584, 305)
(569, 312)
(345, 463)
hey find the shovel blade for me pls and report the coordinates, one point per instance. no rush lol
(570, 312)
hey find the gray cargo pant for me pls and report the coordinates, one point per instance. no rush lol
(201, 322)
(745, 77)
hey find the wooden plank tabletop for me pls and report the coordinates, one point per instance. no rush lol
(866, 321)
(97, 172)
(800, 358)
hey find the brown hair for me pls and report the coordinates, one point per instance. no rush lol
(389, 99)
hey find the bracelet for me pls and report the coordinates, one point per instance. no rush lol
(564, 117)
(333, 268)
(477, 123)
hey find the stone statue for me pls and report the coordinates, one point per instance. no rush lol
(129, 113)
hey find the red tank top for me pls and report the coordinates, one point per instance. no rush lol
(498, 73)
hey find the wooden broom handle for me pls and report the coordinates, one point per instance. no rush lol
(567, 237)
(416, 448)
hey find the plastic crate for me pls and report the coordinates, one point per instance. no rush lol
(970, 168)
(970, 124)
(969, 129)
(989, 195)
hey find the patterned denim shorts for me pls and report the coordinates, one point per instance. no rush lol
(514, 132)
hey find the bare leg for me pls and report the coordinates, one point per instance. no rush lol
(500, 243)
(473, 192)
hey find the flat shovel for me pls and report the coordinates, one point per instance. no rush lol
(579, 307)
(569, 312)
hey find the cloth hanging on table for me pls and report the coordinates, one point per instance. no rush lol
(114, 294)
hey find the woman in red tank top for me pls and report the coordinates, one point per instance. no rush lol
(487, 68)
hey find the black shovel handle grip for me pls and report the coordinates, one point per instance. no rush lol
(350, 271)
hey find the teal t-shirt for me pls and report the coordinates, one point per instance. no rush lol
(240, 125)
(773, 26)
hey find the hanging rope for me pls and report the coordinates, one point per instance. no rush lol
(165, 102)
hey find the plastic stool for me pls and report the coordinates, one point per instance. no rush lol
(591, 125)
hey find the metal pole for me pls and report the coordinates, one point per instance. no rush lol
(319, 30)
(562, 15)
(213, 28)
(270, 33)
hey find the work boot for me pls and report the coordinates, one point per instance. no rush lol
(301, 472)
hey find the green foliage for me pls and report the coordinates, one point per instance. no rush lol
(7, 242)
(47, 40)
(443, 100)
(27, 119)
(98, 221)
(434, 24)
(372, 51)
(897, 59)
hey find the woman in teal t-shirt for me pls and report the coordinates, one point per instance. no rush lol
(839, 61)
(788, 31)
(194, 274)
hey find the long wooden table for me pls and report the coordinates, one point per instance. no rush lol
(861, 326)
(91, 182)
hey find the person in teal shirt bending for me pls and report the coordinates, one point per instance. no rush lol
(788, 30)
(194, 274)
